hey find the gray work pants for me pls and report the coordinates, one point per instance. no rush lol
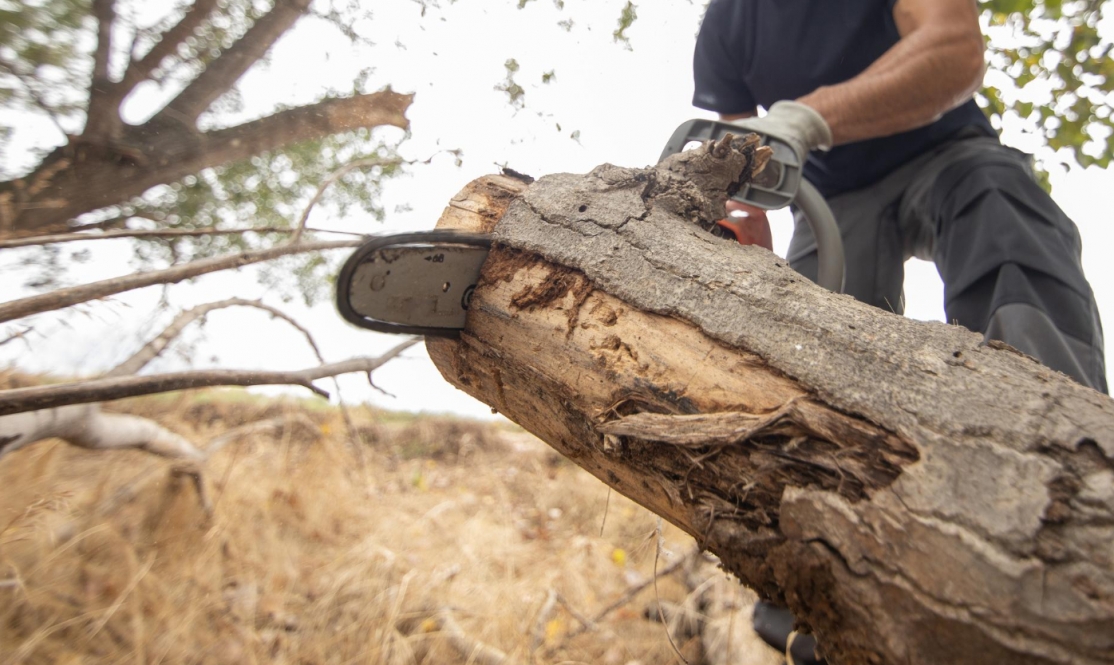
(1008, 256)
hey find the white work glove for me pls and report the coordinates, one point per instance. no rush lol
(798, 124)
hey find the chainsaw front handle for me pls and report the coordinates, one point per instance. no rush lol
(780, 184)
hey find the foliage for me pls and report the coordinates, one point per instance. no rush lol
(40, 56)
(626, 19)
(515, 92)
(1061, 69)
(46, 60)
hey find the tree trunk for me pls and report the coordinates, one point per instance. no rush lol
(913, 494)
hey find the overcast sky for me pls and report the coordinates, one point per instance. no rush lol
(605, 103)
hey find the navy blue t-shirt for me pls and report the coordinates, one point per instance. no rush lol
(757, 52)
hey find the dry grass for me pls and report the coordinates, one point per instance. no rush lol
(318, 551)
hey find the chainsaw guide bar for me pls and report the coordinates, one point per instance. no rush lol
(412, 283)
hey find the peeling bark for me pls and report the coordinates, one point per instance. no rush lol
(914, 495)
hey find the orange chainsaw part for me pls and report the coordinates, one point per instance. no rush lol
(743, 230)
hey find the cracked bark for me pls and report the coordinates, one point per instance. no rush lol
(914, 495)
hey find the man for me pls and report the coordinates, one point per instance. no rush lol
(879, 94)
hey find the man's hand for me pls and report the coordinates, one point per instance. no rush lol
(797, 123)
(749, 224)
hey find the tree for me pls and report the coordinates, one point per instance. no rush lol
(188, 179)
(913, 494)
(1052, 72)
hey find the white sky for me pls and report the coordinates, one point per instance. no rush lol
(624, 104)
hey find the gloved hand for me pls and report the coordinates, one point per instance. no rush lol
(799, 124)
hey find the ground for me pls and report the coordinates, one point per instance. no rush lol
(322, 551)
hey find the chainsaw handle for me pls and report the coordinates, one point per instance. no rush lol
(829, 242)
(790, 187)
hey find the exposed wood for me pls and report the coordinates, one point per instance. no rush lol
(914, 495)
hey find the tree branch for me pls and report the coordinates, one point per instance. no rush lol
(57, 238)
(171, 155)
(103, 118)
(61, 298)
(305, 123)
(168, 42)
(325, 184)
(156, 346)
(19, 400)
(222, 73)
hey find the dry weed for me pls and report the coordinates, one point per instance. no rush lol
(319, 551)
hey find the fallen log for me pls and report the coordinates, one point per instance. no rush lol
(913, 494)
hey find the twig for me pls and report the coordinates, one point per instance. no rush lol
(36, 98)
(18, 400)
(58, 238)
(327, 182)
(156, 346)
(113, 222)
(19, 335)
(627, 597)
(546, 611)
(584, 621)
(468, 647)
(659, 546)
(606, 506)
(167, 43)
(139, 575)
(61, 298)
(218, 442)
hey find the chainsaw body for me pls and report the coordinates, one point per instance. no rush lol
(421, 283)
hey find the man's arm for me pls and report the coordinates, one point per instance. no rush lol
(935, 66)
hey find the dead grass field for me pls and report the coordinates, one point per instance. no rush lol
(434, 531)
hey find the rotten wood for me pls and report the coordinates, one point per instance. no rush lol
(913, 494)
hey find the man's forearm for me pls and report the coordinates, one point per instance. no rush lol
(928, 72)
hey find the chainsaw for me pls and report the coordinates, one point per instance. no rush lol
(421, 283)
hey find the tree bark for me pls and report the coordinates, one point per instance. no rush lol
(79, 178)
(913, 494)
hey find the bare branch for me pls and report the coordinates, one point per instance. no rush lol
(222, 73)
(156, 346)
(19, 335)
(172, 155)
(19, 400)
(327, 182)
(168, 42)
(57, 238)
(103, 117)
(61, 298)
(86, 426)
(118, 222)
